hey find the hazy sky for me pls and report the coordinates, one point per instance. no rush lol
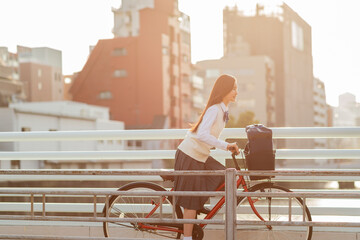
(73, 25)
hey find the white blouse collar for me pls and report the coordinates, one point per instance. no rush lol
(224, 107)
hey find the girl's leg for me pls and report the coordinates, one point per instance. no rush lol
(188, 228)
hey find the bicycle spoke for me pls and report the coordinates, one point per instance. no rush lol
(137, 207)
(273, 209)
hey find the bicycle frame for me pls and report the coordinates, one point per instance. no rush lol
(212, 213)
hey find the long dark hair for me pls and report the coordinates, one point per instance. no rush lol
(222, 86)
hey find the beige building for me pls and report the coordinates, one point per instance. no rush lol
(41, 73)
(255, 75)
(320, 111)
(280, 33)
(320, 106)
(11, 89)
(60, 116)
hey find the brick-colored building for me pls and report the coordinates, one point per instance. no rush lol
(144, 72)
(41, 73)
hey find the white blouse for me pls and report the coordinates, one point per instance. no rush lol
(203, 131)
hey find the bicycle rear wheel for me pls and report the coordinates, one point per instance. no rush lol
(272, 209)
(140, 207)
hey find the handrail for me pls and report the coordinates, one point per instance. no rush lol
(164, 134)
(230, 197)
(334, 172)
(160, 134)
(169, 154)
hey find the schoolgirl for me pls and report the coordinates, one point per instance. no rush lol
(194, 151)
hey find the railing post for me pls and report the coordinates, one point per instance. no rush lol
(230, 198)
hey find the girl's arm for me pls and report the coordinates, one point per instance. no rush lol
(203, 132)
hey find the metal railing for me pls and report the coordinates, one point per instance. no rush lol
(162, 134)
(231, 194)
(230, 222)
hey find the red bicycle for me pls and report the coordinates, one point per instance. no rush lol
(263, 209)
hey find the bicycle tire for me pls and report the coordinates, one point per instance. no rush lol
(129, 206)
(278, 209)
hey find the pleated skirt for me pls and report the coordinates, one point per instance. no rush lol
(193, 182)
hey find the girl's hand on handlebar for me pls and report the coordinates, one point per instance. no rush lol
(233, 147)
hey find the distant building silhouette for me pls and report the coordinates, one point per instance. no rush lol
(285, 37)
(144, 73)
(347, 114)
(11, 88)
(58, 116)
(41, 73)
(320, 111)
(255, 79)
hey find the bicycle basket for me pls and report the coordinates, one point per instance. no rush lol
(259, 153)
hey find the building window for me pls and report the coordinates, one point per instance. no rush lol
(25, 129)
(212, 73)
(39, 85)
(119, 73)
(185, 58)
(165, 50)
(119, 52)
(39, 72)
(173, 101)
(67, 80)
(173, 122)
(105, 95)
(297, 36)
(186, 78)
(246, 103)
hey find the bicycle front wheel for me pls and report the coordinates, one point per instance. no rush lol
(273, 209)
(138, 206)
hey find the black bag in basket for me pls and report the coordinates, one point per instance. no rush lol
(259, 153)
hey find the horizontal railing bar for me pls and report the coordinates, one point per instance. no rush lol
(333, 172)
(148, 134)
(112, 219)
(185, 193)
(159, 134)
(299, 194)
(47, 237)
(54, 175)
(89, 208)
(19, 178)
(169, 154)
(115, 189)
(112, 172)
(75, 207)
(122, 193)
(299, 132)
(181, 221)
(300, 223)
(6, 178)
